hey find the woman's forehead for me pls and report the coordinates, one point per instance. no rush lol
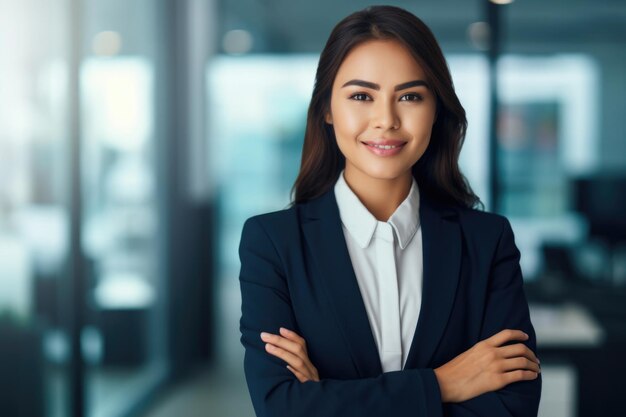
(380, 61)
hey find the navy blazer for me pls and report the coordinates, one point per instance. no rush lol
(296, 273)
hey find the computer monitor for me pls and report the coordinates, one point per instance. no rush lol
(602, 199)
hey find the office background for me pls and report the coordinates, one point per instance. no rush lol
(137, 136)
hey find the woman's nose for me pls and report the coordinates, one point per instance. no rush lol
(385, 115)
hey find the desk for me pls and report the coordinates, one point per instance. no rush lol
(584, 338)
(562, 327)
(568, 325)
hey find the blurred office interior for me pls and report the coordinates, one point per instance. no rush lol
(137, 136)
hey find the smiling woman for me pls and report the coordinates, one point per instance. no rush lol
(389, 118)
(382, 290)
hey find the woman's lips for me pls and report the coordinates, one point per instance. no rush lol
(381, 151)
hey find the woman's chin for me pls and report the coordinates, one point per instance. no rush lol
(383, 171)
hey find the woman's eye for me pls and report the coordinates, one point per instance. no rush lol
(412, 97)
(406, 97)
(359, 96)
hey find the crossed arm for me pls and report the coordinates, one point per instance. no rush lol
(487, 366)
(492, 378)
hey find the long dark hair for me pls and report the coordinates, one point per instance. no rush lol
(437, 171)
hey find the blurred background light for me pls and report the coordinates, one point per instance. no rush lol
(107, 43)
(123, 290)
(237, 42)
(478, 34)
(118, 101)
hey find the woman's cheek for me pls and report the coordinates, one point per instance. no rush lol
(350, 123)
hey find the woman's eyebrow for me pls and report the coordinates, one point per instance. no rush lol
(374, 86)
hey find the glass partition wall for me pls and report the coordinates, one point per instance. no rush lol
(124, 333)
(121, 324)
(34, 215)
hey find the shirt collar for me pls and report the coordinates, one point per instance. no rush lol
(361, 224)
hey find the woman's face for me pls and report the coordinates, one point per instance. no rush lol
(380, 96)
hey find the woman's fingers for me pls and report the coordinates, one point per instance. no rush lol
(517, 375)
(282, 342)
(293, 351)
(487, 366)
(516, 350)
(292, 359)
(516, 356)
(290, 334)
(506, 335)
(521, 363)
(301, 377)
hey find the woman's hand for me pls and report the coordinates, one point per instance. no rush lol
(487, 366)
(292, 349)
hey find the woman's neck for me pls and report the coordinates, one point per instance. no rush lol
(381, 197)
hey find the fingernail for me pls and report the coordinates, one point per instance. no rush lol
(264, 335)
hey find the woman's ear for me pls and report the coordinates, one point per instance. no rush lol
(328, 118)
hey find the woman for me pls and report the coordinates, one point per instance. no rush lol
(382, 290)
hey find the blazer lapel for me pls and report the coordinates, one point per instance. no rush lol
(441, 243)
(324, 235)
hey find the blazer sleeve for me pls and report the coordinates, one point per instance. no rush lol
(506, 308)
(274, 390)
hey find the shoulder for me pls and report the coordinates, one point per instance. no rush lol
(279, 227)
(274, 220)
(484, 226)
(273, 235)
(480, 218)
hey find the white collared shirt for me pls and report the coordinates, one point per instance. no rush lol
(387, 261)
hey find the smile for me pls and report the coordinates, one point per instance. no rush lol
(385, 146)
(384, 150)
